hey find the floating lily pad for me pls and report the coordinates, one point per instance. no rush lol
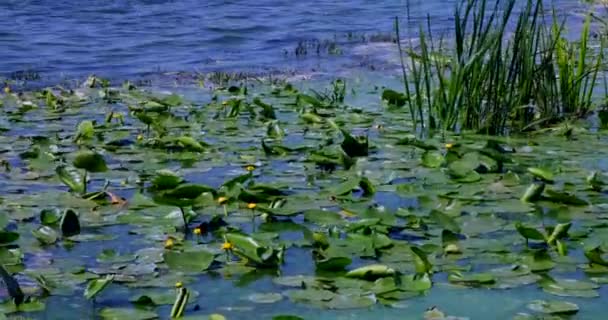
(189, 261)
(127, 313)
(553, 307)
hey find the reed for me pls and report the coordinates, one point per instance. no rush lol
(500, 72)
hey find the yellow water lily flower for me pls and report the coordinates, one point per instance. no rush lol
(227, 246)
(179, 284)
(7, 89)
(222, 200)
(449, 145)
(169, 243)
(198, 231)
(250, 168)
(251, 205)
(140, 137)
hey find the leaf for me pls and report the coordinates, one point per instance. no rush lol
(90, 161)
(529, 233)
(71, 178)
(14, 290)
(45, 235)
(553, 307)
(183, 295)
(333, 263)
(559, 231)
(50, 216)
(445, 221)
(371, 272)
(432, 159)
(354, 147)
(70, 224)
(250, 249)
(95, 286)
(394, 98)
(286, 317)
(594, 255)
(166, 179)
(475, 279)
(265, 297)
(322, 217)
(564, 197)
(7, 237)
(542, 174)
(421, 261)
(85, 131)
(189, 261)
(127, 313)
(190, 144)
(533, 193)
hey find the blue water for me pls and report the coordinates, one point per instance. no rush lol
(58, 39)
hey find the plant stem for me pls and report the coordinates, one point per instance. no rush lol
(225, 211)
(84, 182)
(184, 218)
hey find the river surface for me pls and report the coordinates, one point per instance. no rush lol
(61, 39)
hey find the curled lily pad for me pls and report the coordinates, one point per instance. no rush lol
(254, 252)
(70, 224)
(96, 286)
(475, 279)
(333, 263)
(50, 216)
(8, 237)
(371, 272)
(45, 234)
(12, 286)
(542, 174)
(533, 193)
(90, 161)
(71, 178)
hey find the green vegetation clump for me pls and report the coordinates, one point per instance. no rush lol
(490, 79)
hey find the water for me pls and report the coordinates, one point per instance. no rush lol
(138, 38)
(129, 38)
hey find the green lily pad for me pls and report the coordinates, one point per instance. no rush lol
(265, 297)
(323, 217)
(90, 161)
(45, 234)
(95, 286)
(189, 261)
(371, 272)
(127, 313)
(553, 307)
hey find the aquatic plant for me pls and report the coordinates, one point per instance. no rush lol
(490, 80)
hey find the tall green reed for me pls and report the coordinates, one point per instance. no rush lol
(501, 72)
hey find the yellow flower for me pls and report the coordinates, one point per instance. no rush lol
(179, 284)
(251, 205)
(449, 145)
(250, 168)
(169, 243)
(197, 231)
(140, 137)
(7, 89)
(222, 200)
(227, 246)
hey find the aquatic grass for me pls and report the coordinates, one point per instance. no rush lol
(489, 80)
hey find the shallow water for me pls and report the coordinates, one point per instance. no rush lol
(66, 39)
(123, 39)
